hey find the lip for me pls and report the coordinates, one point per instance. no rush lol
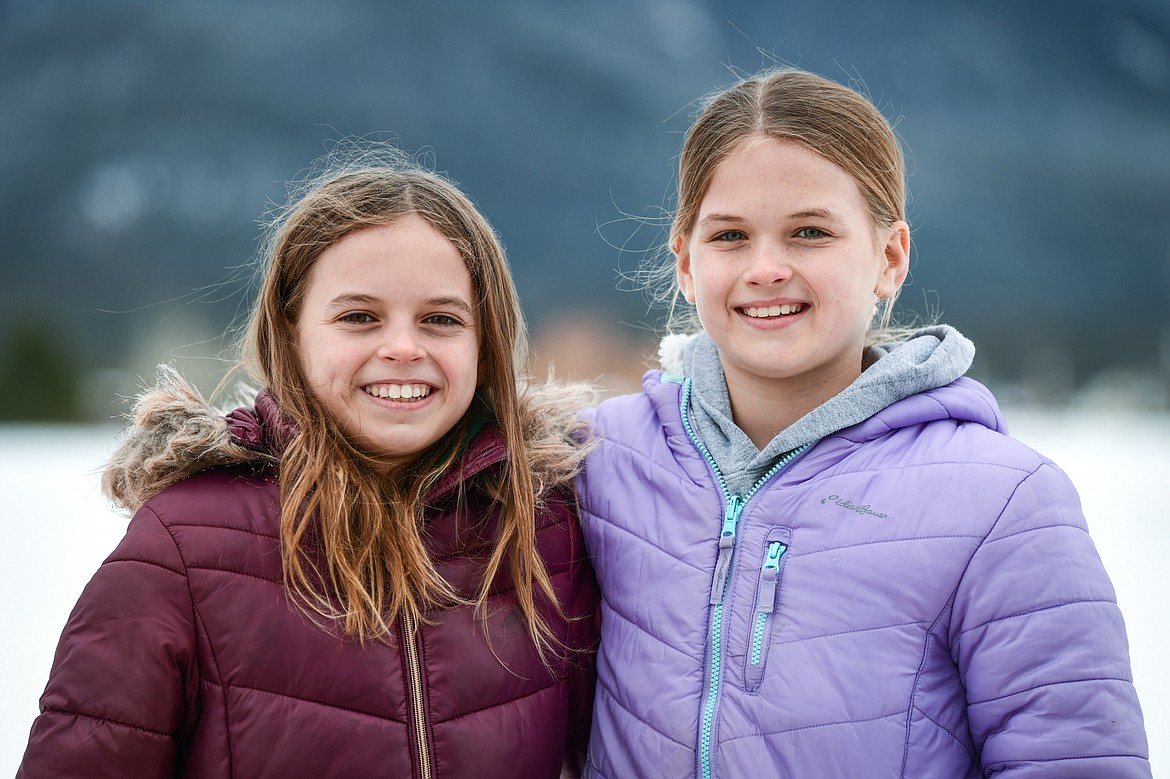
(382, 382)
(769, 302)
(777, 323)
(399, 403)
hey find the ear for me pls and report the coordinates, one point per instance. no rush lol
(682, 268)
(895, 260)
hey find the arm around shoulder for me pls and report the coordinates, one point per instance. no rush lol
(123, 686)
(1041, 644)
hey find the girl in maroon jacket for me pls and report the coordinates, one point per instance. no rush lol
(374, 571)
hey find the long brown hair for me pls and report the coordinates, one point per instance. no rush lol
(352, 538)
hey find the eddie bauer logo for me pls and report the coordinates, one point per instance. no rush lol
(845, 503)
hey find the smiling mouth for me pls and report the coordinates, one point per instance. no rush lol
(410, 393)
(771, 312)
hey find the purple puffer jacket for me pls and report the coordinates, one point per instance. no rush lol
(914, 596)
(184, 657)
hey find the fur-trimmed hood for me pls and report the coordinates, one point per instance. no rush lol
(174, 433)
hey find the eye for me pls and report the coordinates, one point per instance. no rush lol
(730, 236)
(356, 318)
(811, 233)
(442, 320)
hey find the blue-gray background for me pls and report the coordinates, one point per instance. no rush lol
(140, 142)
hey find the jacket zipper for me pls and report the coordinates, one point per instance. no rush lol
(731, 515)
(726, 547)
(765, 605)
(766, 599)
(414, 691)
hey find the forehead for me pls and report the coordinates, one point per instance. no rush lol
(405, 259)
(764, 172)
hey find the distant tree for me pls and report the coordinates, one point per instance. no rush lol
(40, 376)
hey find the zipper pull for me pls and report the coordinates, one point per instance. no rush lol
(766, 600)
(726, 548)
(765, 605)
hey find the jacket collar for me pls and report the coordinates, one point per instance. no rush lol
(266, 428)
(485, 450)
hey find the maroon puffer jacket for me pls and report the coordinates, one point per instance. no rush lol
(184, 657)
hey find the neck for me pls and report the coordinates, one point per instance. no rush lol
(763, 407)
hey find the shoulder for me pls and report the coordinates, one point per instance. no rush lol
(1027, 482)
(948, 446)
(173, 433)
(224, 521)
(656, 404)
(960, 422)
(241, 498)
(956, 450)
(642, 444)
(975, 433)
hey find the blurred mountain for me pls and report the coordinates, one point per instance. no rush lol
(140, 142)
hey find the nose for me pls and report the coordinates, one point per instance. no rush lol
(400, 344)
(768, 264)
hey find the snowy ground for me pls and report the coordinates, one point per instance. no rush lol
(57, 530)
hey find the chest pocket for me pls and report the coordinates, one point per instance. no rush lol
(769, 573)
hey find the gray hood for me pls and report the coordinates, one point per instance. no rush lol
(932, 357)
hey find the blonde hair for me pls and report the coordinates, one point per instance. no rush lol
(793, 105)
(351, 537)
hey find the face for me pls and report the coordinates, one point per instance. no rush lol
(785, 266)
(388, 337)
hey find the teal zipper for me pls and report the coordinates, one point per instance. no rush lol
(731, 515)
(726, 547)
(766, 599)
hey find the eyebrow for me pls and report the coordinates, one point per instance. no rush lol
(815, 213)
(349, 299)
(360, 299)
(811, 213)
(452, 302)
(712, 218)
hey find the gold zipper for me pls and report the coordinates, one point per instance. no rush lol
(414, 689)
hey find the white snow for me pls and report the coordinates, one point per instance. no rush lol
(58, 529)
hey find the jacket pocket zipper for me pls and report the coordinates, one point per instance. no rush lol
(414, 692)
(765, 605)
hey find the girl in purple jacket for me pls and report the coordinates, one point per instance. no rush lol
(377, 569)
(820, 554)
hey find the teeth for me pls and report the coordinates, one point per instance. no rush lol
(771, 311)
(398, 391)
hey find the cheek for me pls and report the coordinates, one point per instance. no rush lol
(325, 362)
(308, 358)
(849, 299)
(705, 287)
(474, 365)
(861, 280)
